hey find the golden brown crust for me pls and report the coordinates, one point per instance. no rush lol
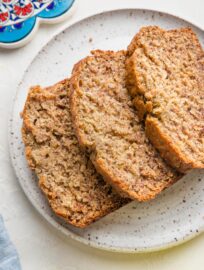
(144, 91)
(165, 145)
(143, 193)
(124, 189)
(78, 193)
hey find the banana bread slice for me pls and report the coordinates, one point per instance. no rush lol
(66, 175)
(108, 127)
(166, 80)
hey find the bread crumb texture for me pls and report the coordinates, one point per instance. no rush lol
(166, 81)
(108, 127)
(75, 191)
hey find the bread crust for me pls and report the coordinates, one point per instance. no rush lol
(165, 144)
(123, 189)
(166, 147)
(119, 184)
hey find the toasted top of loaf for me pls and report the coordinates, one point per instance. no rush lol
(107, 126)
(166, 78)
(74, 189)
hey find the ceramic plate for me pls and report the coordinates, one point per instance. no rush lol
(173, 217)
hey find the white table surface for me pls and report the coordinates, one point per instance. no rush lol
(40, 247)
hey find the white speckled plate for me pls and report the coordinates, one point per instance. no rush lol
(173, 217)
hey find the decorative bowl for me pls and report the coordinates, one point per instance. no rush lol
(19, 19)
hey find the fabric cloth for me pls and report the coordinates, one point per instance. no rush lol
(9, 259)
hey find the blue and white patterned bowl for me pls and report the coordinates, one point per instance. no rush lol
(19, 19)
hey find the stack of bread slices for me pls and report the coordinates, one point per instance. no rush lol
(125, 125)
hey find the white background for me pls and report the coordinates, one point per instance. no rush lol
(40, 247)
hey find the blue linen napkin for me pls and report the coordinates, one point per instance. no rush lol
(9, 259)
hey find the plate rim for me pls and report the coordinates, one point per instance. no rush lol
(46, 217)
